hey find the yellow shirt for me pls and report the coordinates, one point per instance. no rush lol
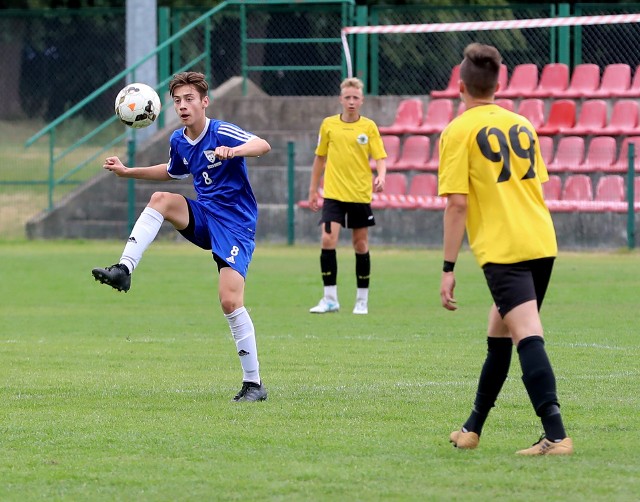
(493, 156)
(348, 146)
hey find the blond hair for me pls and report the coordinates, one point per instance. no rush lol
(352, 82)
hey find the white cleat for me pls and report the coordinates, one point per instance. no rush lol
(325, 306)
(361, 307)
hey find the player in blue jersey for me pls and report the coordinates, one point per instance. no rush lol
(222, 218)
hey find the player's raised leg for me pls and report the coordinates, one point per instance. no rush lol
(162, 205)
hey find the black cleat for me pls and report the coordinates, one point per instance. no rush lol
(117, 276)
(251, 392)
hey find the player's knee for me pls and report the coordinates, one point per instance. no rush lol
(166, 203)
(229, 304)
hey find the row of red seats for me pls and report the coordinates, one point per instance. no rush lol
(571, 154)
(554, 82)
(576, 194)
(563, 117)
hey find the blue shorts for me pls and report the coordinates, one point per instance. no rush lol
(230, 248)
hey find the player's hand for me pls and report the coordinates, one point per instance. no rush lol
(447, 285)
(224, 152)
(313, 202)
(378, 184)
(114, 165)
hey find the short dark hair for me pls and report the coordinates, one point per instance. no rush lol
(197, 80)
(480, 69)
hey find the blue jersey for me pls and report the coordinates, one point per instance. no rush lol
(222, 186)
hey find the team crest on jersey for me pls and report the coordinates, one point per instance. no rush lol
(211, 157)
(363, 139)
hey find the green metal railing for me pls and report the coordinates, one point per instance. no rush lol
(162, 51)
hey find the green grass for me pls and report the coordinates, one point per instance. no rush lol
(109, 396)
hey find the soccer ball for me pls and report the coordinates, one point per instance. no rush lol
(137, 105)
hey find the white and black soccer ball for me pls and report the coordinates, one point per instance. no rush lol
(137, 105)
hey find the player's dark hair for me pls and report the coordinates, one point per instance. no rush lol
(480, 69)
(197, 80)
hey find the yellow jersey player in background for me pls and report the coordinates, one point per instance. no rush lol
(345, 144)
(491, 171)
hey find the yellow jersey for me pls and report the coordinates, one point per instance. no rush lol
(348, 146)
(493, 156)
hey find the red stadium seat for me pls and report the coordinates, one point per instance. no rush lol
(585, 79)
(552, 188)
(408, 115)
(453, 88)
(554, 79)
(422, 189)
(524, 80)
(616, 79)
(505, 103)
(610, 194)
(532, 109)
(621, 165)
(577, 187)
(601, 154)
(562, 117)
(438, 115)
(624, 119)
(610, 188)
(503, 77)
(592, 118)
(634, 90)
(546, 148)
(434, 160)
(392, 147)
(416, 151)
(569, 155)
(395, 188)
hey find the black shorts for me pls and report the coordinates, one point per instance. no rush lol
(348, 214)
(516, 283)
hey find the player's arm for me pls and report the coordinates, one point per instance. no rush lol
(255, 147)
(319, 163)
(381, 173)
(153, 173)
(455, 217)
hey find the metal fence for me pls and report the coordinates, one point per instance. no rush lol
(53, 59)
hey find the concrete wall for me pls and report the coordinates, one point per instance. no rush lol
(98, 209)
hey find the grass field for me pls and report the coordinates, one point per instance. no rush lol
(109, 396)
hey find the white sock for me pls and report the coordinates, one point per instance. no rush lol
(331, 293)
(362, 294)
(245, 337)
(143, 233)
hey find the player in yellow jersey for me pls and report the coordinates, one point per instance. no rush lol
(345, 144)
(491, 172)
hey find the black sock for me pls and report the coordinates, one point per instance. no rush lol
(363, 269)
(329, 267)
(552, 423)
(494, 373)
(540, 382)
